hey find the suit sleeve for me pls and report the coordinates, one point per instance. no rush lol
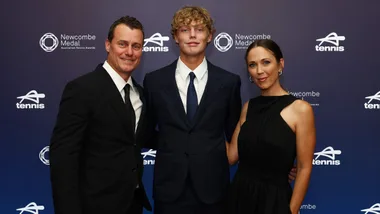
(151, 141)
(234, 109)
(65, 149)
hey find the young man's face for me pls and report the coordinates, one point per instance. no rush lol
(192, 39)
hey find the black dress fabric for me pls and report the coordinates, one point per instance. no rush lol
(267, 150)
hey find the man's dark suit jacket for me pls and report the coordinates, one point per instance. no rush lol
(95, 158)
(196, 149)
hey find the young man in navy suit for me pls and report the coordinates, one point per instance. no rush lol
(195, 106)
(95, 160)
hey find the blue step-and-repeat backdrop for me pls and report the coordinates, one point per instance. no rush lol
(332, 60)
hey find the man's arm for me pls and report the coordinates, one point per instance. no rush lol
(151, 132)
(234, 109)
(232, 148)
(65, 148)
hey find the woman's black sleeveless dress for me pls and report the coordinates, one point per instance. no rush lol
(267, 149)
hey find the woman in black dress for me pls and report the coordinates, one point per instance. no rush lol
(274, 129)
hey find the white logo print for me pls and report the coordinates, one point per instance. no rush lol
(42, 155)
(32, 96)
(157, 39)
(307, 207)
(223, 48)
(52, 47)
(328, 152)
(31, 208)
(333, 39)
(369, 105)
(311, 96)
(375, 209)
(49, 42)
(149, 153)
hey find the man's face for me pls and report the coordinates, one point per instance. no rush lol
(125, 50)
(192, 39)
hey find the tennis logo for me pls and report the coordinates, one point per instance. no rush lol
(149, 156)
(31, 208)
(375, 209)
(327, 157)
(332, 39)
(369, 105)
(158, 40)
(34, 100)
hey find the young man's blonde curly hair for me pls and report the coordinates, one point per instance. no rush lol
(187, 14)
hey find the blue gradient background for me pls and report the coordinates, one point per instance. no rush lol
(343, 80)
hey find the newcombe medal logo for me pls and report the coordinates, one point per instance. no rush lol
(227, 42)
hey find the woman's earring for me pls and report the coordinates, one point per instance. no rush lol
(279, 72)
(250, 79)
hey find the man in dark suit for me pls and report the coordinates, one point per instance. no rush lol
(95, 159)
(195, 106)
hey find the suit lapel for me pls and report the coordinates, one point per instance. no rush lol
(112, 94)
(172, 92)
(212, 86)
(143, 109)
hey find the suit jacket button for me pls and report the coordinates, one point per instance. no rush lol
(134, 170)
(134, 145)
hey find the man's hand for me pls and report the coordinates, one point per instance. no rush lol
(292, 174)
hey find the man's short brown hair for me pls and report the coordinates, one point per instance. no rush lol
(130, 21)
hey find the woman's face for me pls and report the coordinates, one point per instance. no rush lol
(264, 68)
